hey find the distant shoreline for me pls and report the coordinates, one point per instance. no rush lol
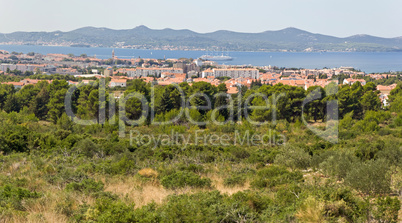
(204, 50)
(369, 62)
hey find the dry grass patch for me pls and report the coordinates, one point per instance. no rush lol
(148, 173)
(138, 192)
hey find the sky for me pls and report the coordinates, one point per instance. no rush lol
(339, 18)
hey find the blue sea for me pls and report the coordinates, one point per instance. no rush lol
(368, 62)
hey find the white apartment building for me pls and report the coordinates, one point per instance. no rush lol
(236, 73)
(26, 67)
(156, 72)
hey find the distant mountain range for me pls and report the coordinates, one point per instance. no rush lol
(289, 39)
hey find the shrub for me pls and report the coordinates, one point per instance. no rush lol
(123, 166)
(86, 186)
(398, 120)
(338, 165)
(60, 175)
(347, 122)
(12, 197)
(263, 156)
(387, 209)
(311, 211)
(211, 207)
(293, 158)
(192, 168)
(370, 177)
(181, 179)
(87, 147)
(384, 132)
(106, 211)
(274, 176)
(240, 153)
(369, 151)
(234, 181)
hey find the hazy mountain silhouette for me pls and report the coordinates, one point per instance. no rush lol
(289, 39)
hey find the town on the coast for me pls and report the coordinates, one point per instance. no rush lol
(19, 68)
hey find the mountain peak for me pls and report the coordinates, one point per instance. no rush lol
(142, 27)
(293, 29)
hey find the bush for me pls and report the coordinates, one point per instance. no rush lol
(86, 186)
(181, 179)
(87, 147)
(191, 167)
(293, 158)
(311, 210)
(369, 151)
(240, 153)
(124, 166)
(337, 164)
(211, 207)
(12, 197)
(234, 181)
(398, 121)
(275, 176)
(387, 209)
(370, 177)
(106, 211)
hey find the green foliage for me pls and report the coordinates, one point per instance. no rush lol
(370, 177)
(109, 211)
(87, 147)
(294, 158)
(181, 179)
(337, 165)
(86, 186)
(371, 121)
(234, 181)
(123, 166)
(12, 197)
(342, 182)
(274, 176)
(347, 122)
(387, 209)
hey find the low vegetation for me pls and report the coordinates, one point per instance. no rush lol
(53, 170)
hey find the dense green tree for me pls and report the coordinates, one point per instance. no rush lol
(65, 122)
(397, 91)
(12, 104)
(255, 84)
(38, 105)
(396, 104)
(5, 91)
(170, 99)
(349, 100)
(370, 101)
(205, 95)
(56, 105)
(26, 94)
(315, 108)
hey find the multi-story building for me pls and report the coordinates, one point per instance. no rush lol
(28, 67)
(234, 73)
(108, 72)
(156, 72)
